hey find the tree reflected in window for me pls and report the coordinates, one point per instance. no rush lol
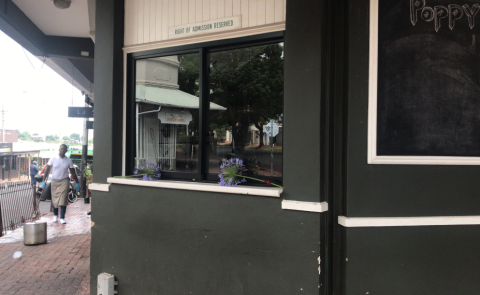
(248, 82)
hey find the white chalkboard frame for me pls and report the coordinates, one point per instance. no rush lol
(372, 157)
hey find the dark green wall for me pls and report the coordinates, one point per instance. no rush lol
(160, 241)
(302, 158)
(108, 89)
(399, 260)
(424, 260)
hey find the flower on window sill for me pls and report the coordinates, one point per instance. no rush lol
(151, 172)
(231, 173)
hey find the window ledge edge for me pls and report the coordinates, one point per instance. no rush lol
(198, 186)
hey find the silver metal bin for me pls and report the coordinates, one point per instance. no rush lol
(35, 233)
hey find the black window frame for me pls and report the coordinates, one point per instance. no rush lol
(202, 49)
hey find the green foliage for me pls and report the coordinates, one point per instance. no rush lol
(188, 82)
(24, 136)
(188, 74)
(75, 136)
(52, 138)
(87, 173)
(66, 138)
(38, 140)
(249, 83)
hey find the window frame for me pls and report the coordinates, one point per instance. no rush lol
(203, 49)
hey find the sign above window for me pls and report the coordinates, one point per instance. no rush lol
(212, 26)
(174, 116)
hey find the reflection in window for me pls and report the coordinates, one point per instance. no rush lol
(167, 108)
(248, 83)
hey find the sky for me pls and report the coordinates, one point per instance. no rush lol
(35, 98)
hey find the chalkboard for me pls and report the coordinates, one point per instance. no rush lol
(428, 81)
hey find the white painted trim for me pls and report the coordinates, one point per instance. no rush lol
(372, 157)
(424, 160)
(305, 206)
(407, 221)
(124, 123)
(207, 37)
(372, 82)
(103, 187)
(197, 186)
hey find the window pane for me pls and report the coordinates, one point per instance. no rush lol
(167, 90)
(246, 104)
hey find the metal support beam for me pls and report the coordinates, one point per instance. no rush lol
(69, 47)
(20, 28)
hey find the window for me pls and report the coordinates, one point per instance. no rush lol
(191, 108)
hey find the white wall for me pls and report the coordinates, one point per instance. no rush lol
(148, 21)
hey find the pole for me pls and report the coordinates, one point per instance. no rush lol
(83, 185)
(271, 145)
(9, 167)
(3, 125)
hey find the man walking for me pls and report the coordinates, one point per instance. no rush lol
(60, 181)
(33, 172)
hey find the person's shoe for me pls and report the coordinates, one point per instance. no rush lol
(55, 218)
(62, 221)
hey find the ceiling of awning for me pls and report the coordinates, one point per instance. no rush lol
(71, 22)
(64, 36)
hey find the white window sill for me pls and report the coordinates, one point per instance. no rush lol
(198, 186)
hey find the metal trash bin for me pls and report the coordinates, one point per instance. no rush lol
(35, 233)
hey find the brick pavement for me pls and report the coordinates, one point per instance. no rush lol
(62, 266)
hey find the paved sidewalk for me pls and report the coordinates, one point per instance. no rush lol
(62, 266)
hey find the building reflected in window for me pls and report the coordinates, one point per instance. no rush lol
(167, 108)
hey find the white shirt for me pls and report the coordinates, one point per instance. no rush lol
(60, 167)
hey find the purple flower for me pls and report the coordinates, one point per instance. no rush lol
(146, 178)
(231, 172)
(151, 171)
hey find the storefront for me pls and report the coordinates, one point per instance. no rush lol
(16, 163)
(364, 111)
(5, 159)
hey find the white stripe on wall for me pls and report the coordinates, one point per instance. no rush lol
(407, 221)
(103, 187)
(305, 206)
(147, 21)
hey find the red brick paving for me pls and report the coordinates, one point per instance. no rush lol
(62, 266)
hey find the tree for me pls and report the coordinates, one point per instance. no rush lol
(52, 138)
(188, 73)
(90, 141)
(25, 136)
(38, 140)
(249, 83)
(75, 136)
(66, 138)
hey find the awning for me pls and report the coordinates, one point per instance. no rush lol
(171, 98)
